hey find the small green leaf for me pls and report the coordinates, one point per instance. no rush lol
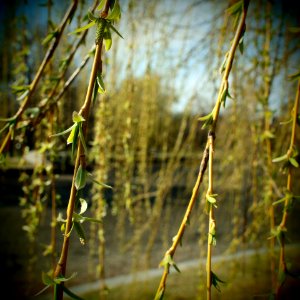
(286, 122)
(77, 117)
(280, 158)
(83, 28)
(223, 96)
(236, 8)
(212, 239)
(212, 199)
(91, 16)
(69, 233)
(101, 5)
(267, 134)
(32, 112)
(4, 127)
(75, 139)
(294, 152)
(241, 45)
(215, 280)
(212, 234)
(101, 86)
(204, 118)
(277, 233)
(20, 88)
(224, 63)
(80, 219)
(82, 139)
(294, 162)
(99, 183)
(176, 268)
(228, 94)
(60, 218)
(95, 91)
(72, 134)
(42, 290)
(60, 279)
(11, 119)
(49, 38)
(115, 30)
(83, 206)
(63, 132)
(165, 262)
(188, 221)
(208, 120)
(23, 96)
(47, 280)
(80, 231)
(115, 13)
(80, 179)
(279, 201)
(12, 131)
(107, 40)
(168, 261)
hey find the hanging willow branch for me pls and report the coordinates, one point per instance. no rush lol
(211, 120)
(29, 91)
(52, 99)
(80, 164)
(290, 162)
(54, 96)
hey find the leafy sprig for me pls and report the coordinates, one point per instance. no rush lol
(291, 158)
(49, 281)
(104, 25)
(290, 197)
(167, 262)
(75, 133)
(215, 280)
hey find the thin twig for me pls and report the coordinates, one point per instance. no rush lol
(287, 203)
(51, 98)
(205, 157)
(212, 223)
(80, 160)
(53, 102)
(34, 83)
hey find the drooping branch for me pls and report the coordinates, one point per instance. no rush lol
(54, 96)
(214, 119)
(13, 121)
(80, 158)
(289, 197)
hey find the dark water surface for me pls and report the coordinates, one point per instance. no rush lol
(21, 262)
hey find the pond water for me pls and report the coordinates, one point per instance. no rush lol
(23, 262)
